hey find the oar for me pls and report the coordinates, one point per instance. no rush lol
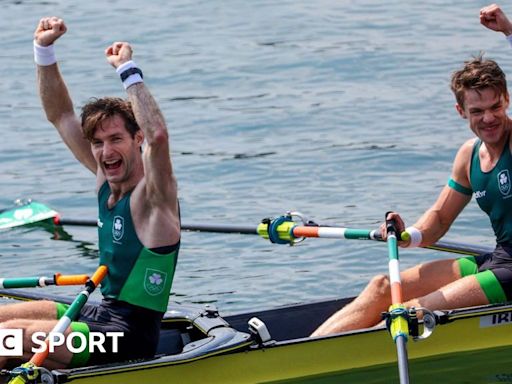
(43, 281)
(289, 231)
(398, 314)
(284, 229)
(29, 371)
(25, 212)
(216, 228)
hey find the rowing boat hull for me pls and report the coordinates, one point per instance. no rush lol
(353, 360)
(470, 348)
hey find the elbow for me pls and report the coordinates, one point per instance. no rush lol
(52, 118)
(59, 118)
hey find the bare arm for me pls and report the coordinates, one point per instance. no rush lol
(436, 221)
(55, 97)
(160, 180)
(160, 187)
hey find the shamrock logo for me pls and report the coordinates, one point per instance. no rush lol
(155, 278)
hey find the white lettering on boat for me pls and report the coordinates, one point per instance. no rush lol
(496, 319)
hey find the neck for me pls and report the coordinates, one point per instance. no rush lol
(118, 190)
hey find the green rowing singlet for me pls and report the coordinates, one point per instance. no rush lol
(136, 275)
(493, 192)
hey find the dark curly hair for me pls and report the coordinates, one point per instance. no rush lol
(478, 74)
(96, 111)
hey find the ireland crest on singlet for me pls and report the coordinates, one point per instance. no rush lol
(154, 281)
(136, 274)
(504, 182)
(118, 228)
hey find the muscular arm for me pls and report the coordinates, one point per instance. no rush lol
(55, 97)
(160, 181)
(436, 221)
(159, 189)
(59, 111)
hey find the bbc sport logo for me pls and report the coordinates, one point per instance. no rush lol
(11, 342)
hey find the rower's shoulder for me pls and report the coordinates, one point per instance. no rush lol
(466, 150)
(462, 162)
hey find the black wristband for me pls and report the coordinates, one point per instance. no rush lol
(130, 71)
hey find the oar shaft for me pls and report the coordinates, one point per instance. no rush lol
(200, 227)
(32, 212)
(57, 220)
(43, 281)
(288, 231)
(220, 228)
(403, 362)
(72, 312)
(335, 233)
(24, 282)
(399, 326)
(394, 270)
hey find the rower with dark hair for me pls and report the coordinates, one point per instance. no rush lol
(483, 167)
(138, 223)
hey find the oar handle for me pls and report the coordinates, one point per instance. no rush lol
(99, 275)
(30, 282)
(390, 225)
(70, 279)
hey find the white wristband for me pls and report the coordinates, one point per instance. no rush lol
(509, 38)
(44, 55)
(130, 73)
(415, 237)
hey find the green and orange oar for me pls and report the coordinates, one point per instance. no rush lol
(43, 281)
(281, 230)
(29, 372)
(398, 315)
(284, 230)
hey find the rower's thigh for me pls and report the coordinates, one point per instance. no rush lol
(422, 279)
(464, 292)
(38, 309)
(60, 355)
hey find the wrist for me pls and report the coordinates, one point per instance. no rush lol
(415, 237)
(44, 55)
(130, 74)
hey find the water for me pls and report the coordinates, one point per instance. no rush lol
(338, 109)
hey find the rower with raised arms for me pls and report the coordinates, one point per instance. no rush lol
(483, 168)
(138, 223)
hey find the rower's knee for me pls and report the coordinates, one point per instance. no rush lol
(15, 324)
(379, 285)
